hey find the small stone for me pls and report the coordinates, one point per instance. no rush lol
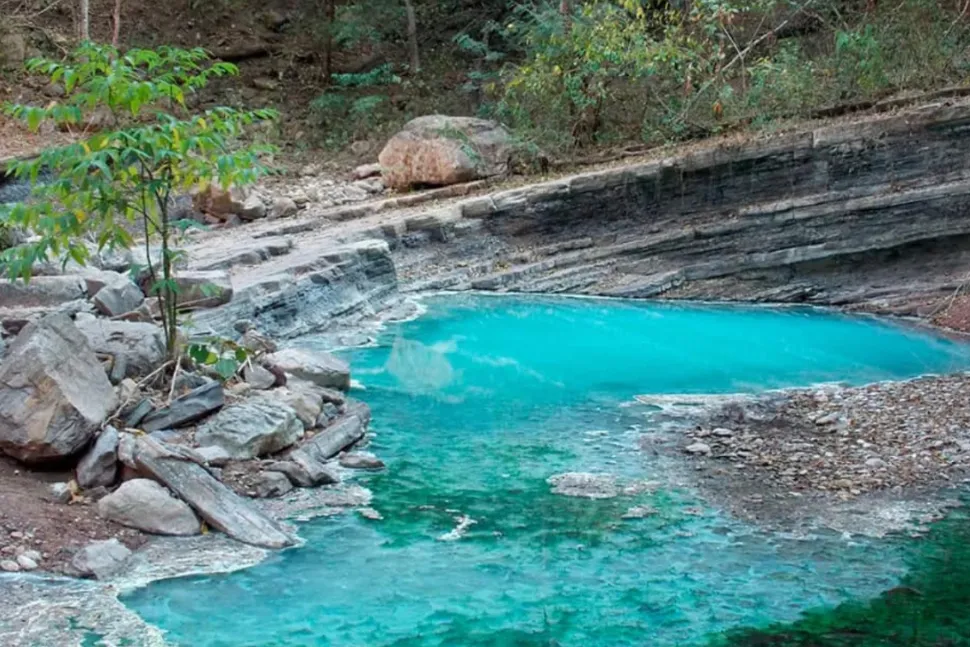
(118, 298)
(214, 455)
(698, 449)
(101, 559)
(9, 566)
(32, 555)
(253, 208)
(258, 377)
(875, 463)
(370, 513)
(721, 432)
(26, 563)
(59, 492)
(827, 419)
(16, 534)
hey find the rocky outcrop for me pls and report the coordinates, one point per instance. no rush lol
(252, 428)
(54, 394)
(219, 506)
(438, 150)
(147, 506)
(865, 214)
(295, 294)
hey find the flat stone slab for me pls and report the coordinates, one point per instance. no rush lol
(191, 407)
(218, 505)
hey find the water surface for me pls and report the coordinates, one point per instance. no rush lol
(480, 401)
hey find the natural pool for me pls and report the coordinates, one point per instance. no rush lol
(476, 404)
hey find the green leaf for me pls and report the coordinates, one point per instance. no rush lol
(226, 367)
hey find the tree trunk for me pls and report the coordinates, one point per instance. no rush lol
(330, 12)
(412, 36)
(116, 27)
(84, 21)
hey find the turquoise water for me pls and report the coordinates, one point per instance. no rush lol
(480, 401)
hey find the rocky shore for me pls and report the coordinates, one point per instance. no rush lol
(865, 459)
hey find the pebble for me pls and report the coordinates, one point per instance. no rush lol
(721, 432)
(9, 566)
(26, 563)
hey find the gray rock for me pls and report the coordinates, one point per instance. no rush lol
(361, 461)
(365, 171)
(54, 393)
(95, 280)
(139, 346)
(328, 413)
(255, 342)
(10, 566)
(298, 475)
(191, 407)
(272, 484)
(305, 401)
(320, 368)
(26, 563)
(332, 396)
(329, 442)
(371, 514)
(219, 506)
(118, 298)
(317, 472)
(214, 456)
(99, 466)
(101, 559)
(698, 449)
(59, 492)
(147, 506)
(203, 289)
(252, 428)
(253, 208)
(258, 377)
(138, 413)
(42, 291)
(282, 208)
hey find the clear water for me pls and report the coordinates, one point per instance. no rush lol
(481, 400)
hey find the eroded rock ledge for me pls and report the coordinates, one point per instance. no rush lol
(870, 215)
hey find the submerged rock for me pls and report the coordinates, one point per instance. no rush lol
(581, 484)
(221, 508)
(147, 506)
(54, 394)
(101, 559)
(361, 461)
(252, 428)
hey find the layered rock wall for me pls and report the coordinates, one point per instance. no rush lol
(872, 214)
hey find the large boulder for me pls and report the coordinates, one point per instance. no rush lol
(99, 467)
(256, 427)
(54, 394)
(221, 508)
(139, 347)
(320, 368)
(439, 150)
(147, 506)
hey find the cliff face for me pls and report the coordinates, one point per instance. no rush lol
(874, 215)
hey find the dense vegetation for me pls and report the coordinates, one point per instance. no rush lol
(571, 73)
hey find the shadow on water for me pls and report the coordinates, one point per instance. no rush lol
(929, 608)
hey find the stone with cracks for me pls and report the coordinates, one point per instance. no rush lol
(219, 506)
(339, 436)
(271, 484)
(191, 407)
(138, 346)
(439, 150)
(54, 394)
(147, 506)
(322, 369)
(101, 559)
(318, 472)
(252, 428)
(99, 467)
(118, 298)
